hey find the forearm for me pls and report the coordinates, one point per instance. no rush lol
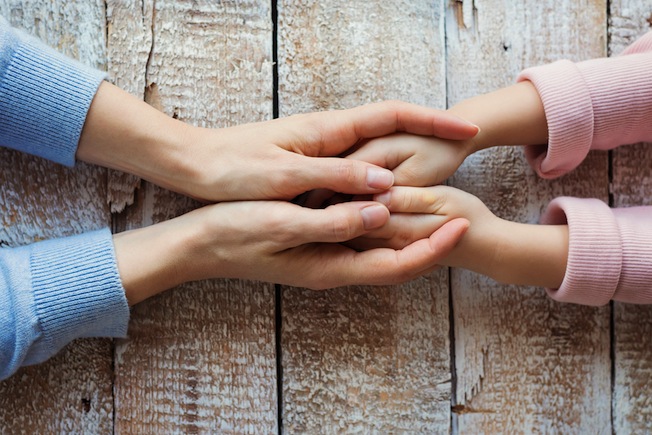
(509, 116)
(125, 133)
(515, 253)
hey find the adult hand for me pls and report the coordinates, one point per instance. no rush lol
(273, 241)
(277, 159)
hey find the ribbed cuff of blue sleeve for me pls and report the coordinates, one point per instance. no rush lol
(45, 97)
(77, 290)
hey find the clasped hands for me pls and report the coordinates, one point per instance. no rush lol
(255, 232)
(383, 152)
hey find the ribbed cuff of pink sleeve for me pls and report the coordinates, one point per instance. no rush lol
(635, 284)
(621, 95)
(594, 253)
(569, 111)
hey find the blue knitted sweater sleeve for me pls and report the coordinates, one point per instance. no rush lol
(55, 291)
(44, 97)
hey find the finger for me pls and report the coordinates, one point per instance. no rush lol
(365, 244)
(388, 266)
(387, 151)
(425, 254)
(336, 223)
(339, 175)
(338, 198)
(392, 150)
(343, 128)
(401, 230)
(404, 199)
(414, 160)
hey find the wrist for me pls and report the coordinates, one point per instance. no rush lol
(528, 254)
(477, 251)
(509, 116)
(153, 259)
(467, 110)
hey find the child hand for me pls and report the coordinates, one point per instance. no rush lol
(416, 212)
(415, 160)
(506, 251)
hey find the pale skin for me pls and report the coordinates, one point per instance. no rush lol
(508, 252)
(269, 239)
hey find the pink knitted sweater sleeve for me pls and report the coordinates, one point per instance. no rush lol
(598, 104)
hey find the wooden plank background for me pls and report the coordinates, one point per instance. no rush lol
(451, 352)
(522, 360)
(363, 359)
(631, 186)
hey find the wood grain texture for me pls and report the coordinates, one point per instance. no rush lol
(631, 186)
(39, 200)
(360, 360)
(339, 54)
(364, 360)
(524, 363)
(200, 358)
(129, 43)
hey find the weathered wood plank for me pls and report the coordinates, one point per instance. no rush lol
(631, 186)
(360, 360)
(363, 360)
(129, 31)
(523, 362)
(39, 200)
(200, 358)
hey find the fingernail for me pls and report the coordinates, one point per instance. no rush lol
(373, 216)
(378, 178)
(467, 122)
(383, 198)
(473, 125)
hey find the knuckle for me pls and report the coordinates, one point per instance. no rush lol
(440, 201)
(410, 176)
(276, 223)
(346, 171)
(343, 228)
(287, 179)
(399, 237)
(407, 201)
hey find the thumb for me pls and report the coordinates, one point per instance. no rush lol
(338, 223)
(446, 238)
(387, 266)
(343, 175)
